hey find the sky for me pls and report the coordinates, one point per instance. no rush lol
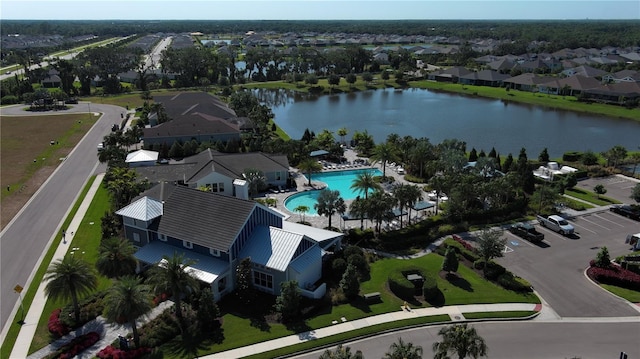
(319, 9)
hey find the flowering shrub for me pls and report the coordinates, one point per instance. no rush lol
(464, 243)
(55, 326)
(615, 275)
(110, 352)
(160, 298)
(75, 346)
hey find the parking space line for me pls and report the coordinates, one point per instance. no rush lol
(586, 229)
(594, 223)
(608, 220)
(520, 239)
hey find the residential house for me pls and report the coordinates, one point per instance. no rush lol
(484, 78)
(584, 70)
(526, 82)
(452, 74)
(198, 126)
(569, 86)
(217, 232)
(622, 76)
(615, 92)
(52, 80)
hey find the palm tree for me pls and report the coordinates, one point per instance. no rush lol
(402, 350)
(461, 340)
(358, 208)
(256, 180)
(115, 258)
(68, 278)
(329, 202)
(302, 209)
(171, 276)
(309, 166)
(364, 182)
(380, 208)
(384, 153)
(407, 197)
(128, 299)
(341, 352)
(342, 132)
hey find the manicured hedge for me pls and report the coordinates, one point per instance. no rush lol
(430, 288)
(511, 282)
(615, 275)
(401, 286)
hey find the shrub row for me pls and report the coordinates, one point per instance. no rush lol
(401, 286)
(430, 288)
(75, 346)
(160, 330)
(55, 326)
(615, 275)
(499, 274)
(111, 352)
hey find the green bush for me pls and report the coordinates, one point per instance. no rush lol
(467, 254)
(430, 288)
(511, 282)
(493, 270)
(160, 330)
(401, 286)
(9, 100)
(90, 308)
(572, 156)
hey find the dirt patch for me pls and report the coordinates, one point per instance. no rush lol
(12, 204)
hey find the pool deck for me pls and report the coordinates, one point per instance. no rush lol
(302, 185)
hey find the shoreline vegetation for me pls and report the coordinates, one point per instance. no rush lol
(557, 102)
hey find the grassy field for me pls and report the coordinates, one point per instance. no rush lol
(631, 295)
(24, 168)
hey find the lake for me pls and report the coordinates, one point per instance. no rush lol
(482, 123)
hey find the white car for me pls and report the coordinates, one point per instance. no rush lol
(100, 146)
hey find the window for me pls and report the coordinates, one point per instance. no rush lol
(262, 279)
(187, 244)
(222, 284)
(136, 237)
(217, 187)
(214, 252)
(278, 175)
(162, 237)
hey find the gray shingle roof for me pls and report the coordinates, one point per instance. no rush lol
(233, 164)
(188, 103)
(196, 125)
(204, 218)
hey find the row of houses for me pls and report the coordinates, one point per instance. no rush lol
(609, 87)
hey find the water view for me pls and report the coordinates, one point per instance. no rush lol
(482, 123)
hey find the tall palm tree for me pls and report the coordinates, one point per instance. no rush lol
(364, 182)
(461, 340)
(128, 299)
(342, 132)
(330, 202)
(171, 276)
(407, 196)
(385, 153)
(341, 352)
(309, 166)
(358, 208)
(115, 258)
(69, 278)
(402, 350)
(380, 208)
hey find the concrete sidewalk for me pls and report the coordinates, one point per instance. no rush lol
(28, 330)
(455, 312)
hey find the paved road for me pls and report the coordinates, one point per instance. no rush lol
(523, 340)
(30, 233)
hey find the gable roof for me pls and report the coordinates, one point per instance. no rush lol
(208, 219)
(144, 209)
(159, 192)
(584, 70)
(196, 124)
(185, 104)
(272, 247)
(233, 164)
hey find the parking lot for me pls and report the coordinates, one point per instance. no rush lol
(556, 266)
(618, 187)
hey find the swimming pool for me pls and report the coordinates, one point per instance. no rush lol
(337, 180)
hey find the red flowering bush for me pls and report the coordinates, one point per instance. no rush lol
(615, 275)
(464, 243)
(111, 352)
(160, 298)
(75, 346)
(55, 326)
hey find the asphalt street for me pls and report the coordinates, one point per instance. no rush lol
(522, 340)
(30, 233)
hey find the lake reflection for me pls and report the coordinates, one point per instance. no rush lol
(482, 123)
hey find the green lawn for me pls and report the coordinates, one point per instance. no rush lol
(241, 331)
(590, 197)
(503, 315)
(631, 295)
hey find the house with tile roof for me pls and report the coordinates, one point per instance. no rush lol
(218, 231)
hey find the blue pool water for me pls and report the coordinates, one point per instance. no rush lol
(338, 180)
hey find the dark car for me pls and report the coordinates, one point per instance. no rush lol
(626, 210)
(526, 231)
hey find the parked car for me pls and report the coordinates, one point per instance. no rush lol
(526, 231)
(557, 224)
(100, 146)
(626, 210)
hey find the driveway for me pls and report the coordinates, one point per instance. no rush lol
(25, 239)
(556, 267)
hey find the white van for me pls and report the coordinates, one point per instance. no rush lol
(634, 241)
